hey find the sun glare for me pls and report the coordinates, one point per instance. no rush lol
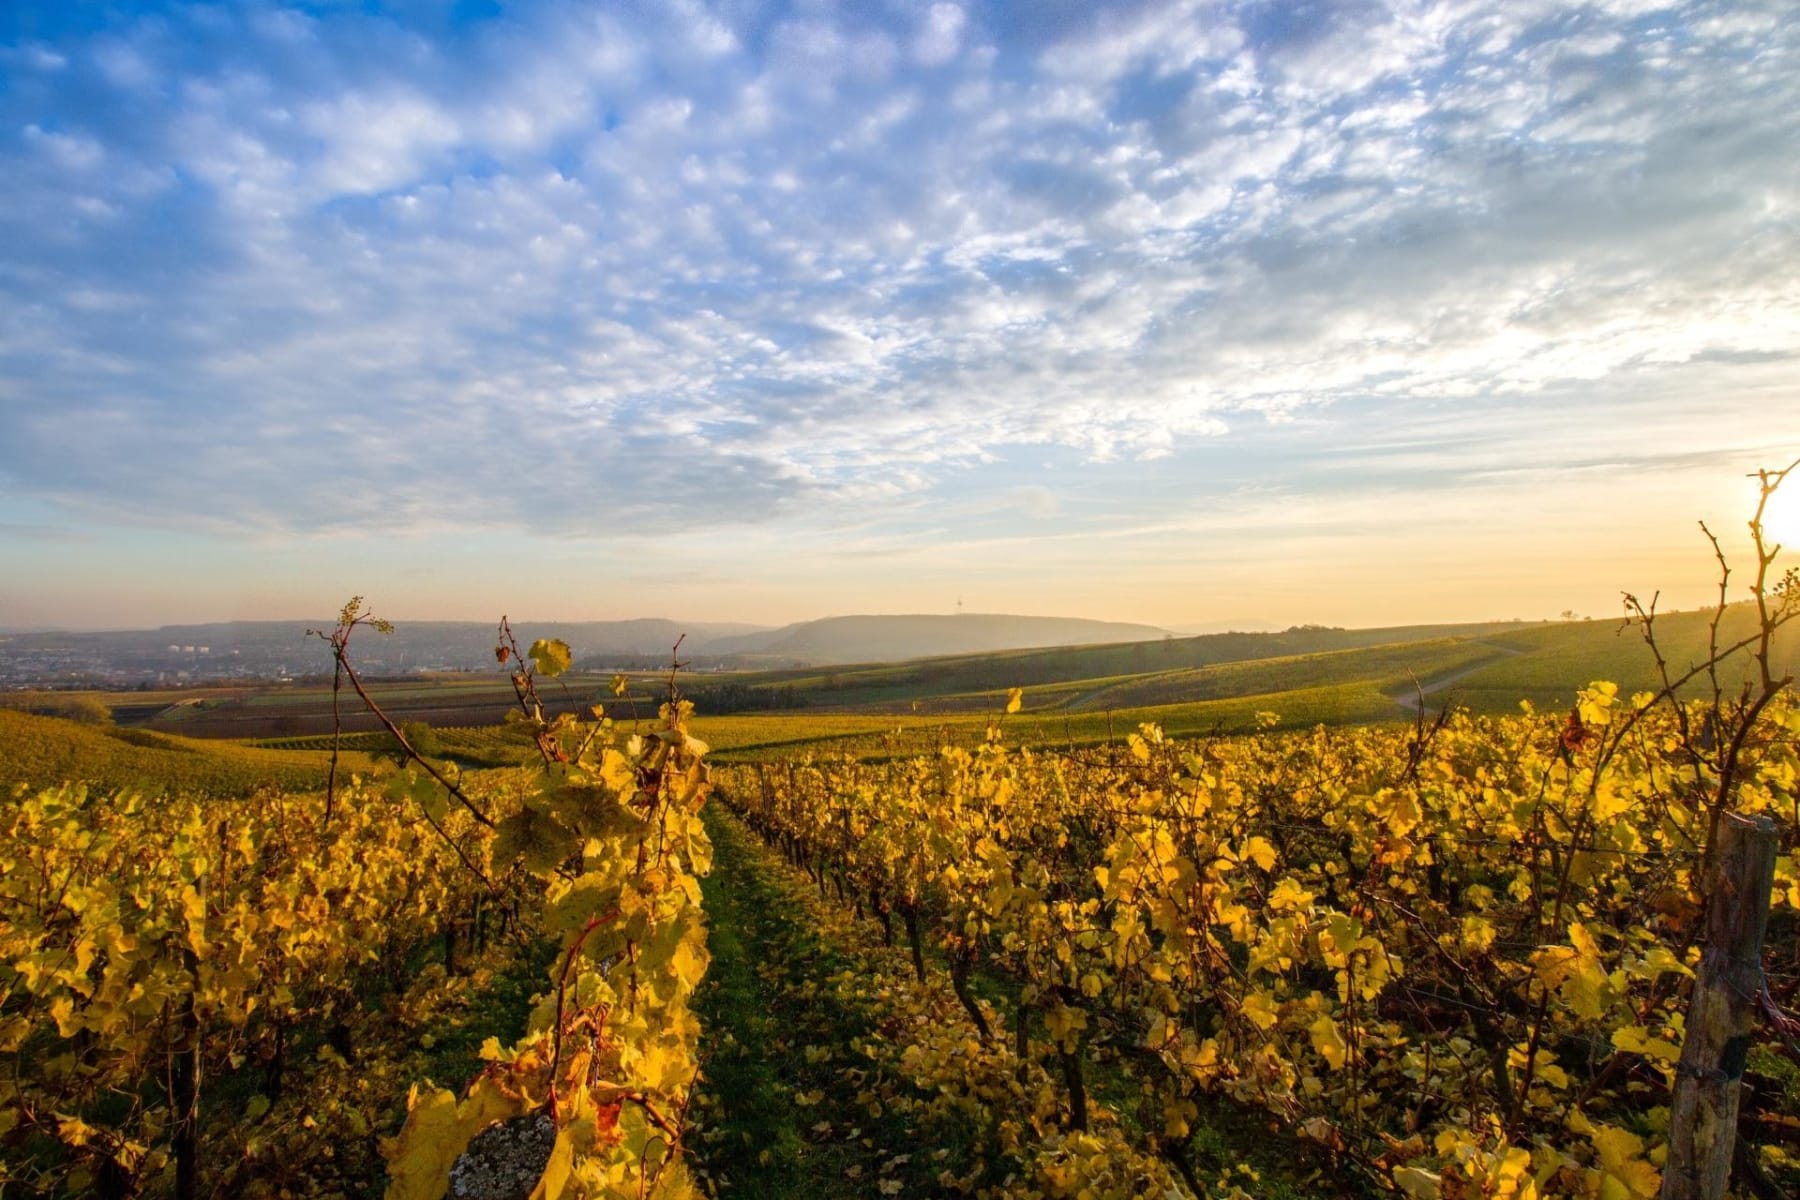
(1781, 519)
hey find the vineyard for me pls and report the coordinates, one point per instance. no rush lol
(899, 600)
(482, 745)
(205, 997)
(1464, 956)
(38, 750)
(156, 944)
(1456, 960)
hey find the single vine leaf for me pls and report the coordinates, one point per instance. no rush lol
(551, 656)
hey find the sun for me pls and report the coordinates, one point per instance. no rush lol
(1781, 519)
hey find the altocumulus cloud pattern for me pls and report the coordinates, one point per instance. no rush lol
(323, 266)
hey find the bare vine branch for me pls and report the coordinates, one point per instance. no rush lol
(349, 618)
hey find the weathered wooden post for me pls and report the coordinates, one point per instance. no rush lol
(1703, 1123)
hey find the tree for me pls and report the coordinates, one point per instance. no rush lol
(88, 710)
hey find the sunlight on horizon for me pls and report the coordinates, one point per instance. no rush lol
(1781, 519)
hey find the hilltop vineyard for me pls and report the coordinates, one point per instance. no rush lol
(1456, 960)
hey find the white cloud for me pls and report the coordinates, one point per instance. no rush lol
(940, 35)
(72, 153)
(726, 267)
(124, 66)
(377, 142)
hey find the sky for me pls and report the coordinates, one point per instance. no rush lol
(1195, 314)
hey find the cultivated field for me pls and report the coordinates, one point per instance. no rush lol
(1234, 928)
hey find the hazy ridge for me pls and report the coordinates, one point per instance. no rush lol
(271, 649)
(893, 638)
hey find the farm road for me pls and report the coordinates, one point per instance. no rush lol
(1411, 700)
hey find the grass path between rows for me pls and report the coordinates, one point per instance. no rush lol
(785, 1109)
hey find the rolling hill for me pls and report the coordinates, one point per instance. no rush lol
(1488, 667)
(838, 640)
(45, 751)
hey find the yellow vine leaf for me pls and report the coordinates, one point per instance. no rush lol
(555, 1179)
(1596, 702)
(1400, 809)
(551, 656)
(1625, 1173)
(1329, 1042)
(1418, 1183)
(1260, 1008)
(437, 1131)
(1260, 851)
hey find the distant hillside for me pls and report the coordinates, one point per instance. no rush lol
(1229, 625)
(1551, 663)
(1096, 664)
(1331, 674)
(892, 638)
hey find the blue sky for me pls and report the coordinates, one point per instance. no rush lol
(1182, 313)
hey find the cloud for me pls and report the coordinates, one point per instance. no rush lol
(940, 35)
(720, 264)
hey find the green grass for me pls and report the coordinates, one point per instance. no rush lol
(501, 1010)
(766, 735)
(1513, 661)
(475, 746)
(897, 684)
(1559, 660)
(1301, 708)
(1385, 667)
(765, 1003)
(1546, 664)
(787, 735)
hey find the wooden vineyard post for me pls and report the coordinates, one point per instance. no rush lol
(1703, 1123)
